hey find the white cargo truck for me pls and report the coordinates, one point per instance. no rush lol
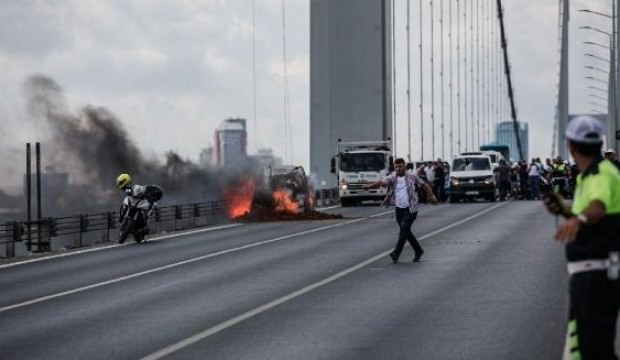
(358, 163)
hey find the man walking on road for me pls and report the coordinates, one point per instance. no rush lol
(402, 194)
(592, 237)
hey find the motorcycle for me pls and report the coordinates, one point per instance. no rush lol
(135, 213)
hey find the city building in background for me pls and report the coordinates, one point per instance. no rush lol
(206, 158)
(266, 159)
(505, 135)
(230, 142)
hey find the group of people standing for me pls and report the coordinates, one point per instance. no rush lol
(434, 173)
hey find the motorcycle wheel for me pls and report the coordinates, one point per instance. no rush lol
(126, 227)
(138, 236)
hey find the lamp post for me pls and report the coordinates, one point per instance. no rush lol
(596, 79)
(596, 69)
(597, 57)
(598, 97)
(598, 89)
(597, 104)
(596, 44)
(614, 75)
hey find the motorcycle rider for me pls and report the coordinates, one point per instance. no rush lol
(136, 193)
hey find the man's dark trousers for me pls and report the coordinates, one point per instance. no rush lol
(405, 219)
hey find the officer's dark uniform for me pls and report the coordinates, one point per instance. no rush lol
(594, 298)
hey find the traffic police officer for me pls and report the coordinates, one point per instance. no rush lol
(592, 237)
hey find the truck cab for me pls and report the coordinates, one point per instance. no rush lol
(360, 163)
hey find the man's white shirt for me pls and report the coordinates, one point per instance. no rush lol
(400, 192)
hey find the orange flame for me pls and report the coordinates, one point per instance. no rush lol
(239, 198)
(311, 199)
(283, 201)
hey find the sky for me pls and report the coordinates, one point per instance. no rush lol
(171, 71)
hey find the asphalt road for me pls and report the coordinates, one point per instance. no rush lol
(492, 286)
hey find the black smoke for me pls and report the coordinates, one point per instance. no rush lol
(93, 147)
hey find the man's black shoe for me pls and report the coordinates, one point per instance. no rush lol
(394, 257)
(418, 256)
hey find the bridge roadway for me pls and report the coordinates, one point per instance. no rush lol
(492, 286)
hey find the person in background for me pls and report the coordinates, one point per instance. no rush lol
(534, 173)
(440, 180)
(523, 179)
(610, 155)
(429, 169)
(503, 175)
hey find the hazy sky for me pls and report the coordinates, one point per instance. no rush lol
(173, 70)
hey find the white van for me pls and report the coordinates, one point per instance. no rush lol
(472, 177)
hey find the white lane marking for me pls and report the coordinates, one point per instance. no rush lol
(173, 265)
(329, 207)
(256, 311)
(162, 237)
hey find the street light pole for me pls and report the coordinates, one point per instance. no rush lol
(596, 69)
(597, 57)
(614, 76)
(596, 79)
(599, 97)
(598, 89)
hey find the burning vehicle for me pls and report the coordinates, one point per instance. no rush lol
(291, 182)
(283, 193)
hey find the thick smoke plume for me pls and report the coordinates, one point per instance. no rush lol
(93, 147)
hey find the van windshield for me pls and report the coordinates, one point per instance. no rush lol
(473, 163)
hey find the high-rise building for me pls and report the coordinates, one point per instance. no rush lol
(505, 135)
(230, 142)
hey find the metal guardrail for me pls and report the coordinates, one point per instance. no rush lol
(37, 235)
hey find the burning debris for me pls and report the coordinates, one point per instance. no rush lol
(247, 203)
(263, 214)
(239, 197)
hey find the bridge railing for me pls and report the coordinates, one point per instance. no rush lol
(84, 229)
(19, 238)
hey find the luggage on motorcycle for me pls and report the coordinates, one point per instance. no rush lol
(153, 193)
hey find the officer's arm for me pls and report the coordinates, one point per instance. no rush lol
(594, 212)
